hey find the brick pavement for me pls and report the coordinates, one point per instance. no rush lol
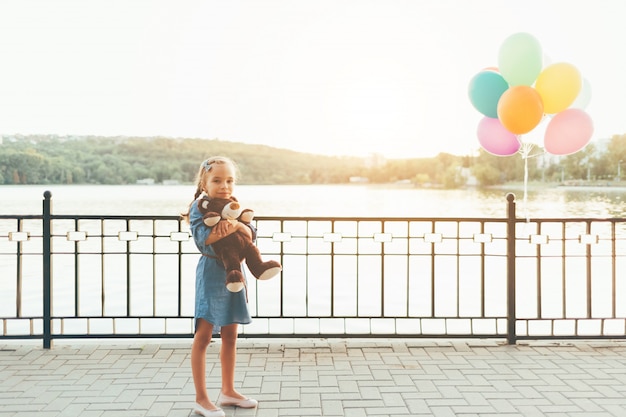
(320, 377)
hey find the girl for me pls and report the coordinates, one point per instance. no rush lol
(216, 308)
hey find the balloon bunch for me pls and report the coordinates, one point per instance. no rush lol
(522, 101)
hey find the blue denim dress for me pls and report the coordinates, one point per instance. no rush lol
(214, 303)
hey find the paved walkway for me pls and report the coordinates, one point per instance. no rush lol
(314, 377)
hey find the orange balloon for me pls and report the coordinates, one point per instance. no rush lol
(520, 109)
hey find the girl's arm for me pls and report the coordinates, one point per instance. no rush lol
(224, 228)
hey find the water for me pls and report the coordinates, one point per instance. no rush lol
(286, 200)
(322, 200)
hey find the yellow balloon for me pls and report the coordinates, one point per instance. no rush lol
(558, 85)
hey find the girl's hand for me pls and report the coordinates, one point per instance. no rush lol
(222, 228)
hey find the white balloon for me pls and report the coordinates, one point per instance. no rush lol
(547, 60)
(536, 136)
(584, 96)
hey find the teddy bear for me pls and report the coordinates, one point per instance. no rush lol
(233, 249)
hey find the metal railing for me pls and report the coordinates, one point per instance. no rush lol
(66, 276)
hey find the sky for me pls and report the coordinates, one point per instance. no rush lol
(331, 77)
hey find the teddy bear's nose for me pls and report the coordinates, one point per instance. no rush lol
(234, 206)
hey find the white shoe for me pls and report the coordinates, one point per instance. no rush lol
(198, 409)
(225, 400)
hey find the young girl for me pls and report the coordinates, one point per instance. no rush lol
(216, 308)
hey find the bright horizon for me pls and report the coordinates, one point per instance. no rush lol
(333, 77)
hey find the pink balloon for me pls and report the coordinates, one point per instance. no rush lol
(496, 139)
(568, 132)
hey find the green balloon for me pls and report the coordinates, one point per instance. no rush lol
(485, 90)
(520, 59)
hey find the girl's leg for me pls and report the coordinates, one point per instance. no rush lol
(201, 340)
(228, 357)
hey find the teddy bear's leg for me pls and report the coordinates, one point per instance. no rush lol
(261, 270)
(235, 281)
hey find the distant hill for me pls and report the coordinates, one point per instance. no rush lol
(51, 159)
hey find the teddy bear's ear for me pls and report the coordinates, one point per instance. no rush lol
(203, 204)
(233, 198)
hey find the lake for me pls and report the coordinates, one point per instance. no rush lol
(298, 200)
(322, 200)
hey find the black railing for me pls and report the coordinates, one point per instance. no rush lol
(89, 276)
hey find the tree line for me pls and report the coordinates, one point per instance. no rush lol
(51, 159)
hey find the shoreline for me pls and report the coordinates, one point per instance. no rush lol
(515, 185)
(571, 185)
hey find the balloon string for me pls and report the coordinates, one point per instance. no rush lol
(525, 151)
(526, 189)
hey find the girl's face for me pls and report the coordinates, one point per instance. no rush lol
(220, 181)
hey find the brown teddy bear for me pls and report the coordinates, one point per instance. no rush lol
(233, 249)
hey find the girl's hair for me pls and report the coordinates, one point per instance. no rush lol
(203, 172)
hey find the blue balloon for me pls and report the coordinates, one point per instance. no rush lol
(485, 90)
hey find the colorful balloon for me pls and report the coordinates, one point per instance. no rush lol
(520, 109)
(558, 85)
(495, 139)
(485, 89)
(520, 59)
(532, 106)
(568, 132)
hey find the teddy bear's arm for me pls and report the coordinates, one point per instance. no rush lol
(246, 216)
(211, 218)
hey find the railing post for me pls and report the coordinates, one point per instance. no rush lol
(510, 269)
(47, 268)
